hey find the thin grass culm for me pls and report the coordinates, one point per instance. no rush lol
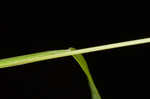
(41, 56)
(30, 58)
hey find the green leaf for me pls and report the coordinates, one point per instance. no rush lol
(83, 64)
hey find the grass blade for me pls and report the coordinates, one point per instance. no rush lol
(83, 64)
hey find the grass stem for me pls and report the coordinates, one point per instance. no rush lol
(19, 60)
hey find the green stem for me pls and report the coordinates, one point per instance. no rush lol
(19, 60)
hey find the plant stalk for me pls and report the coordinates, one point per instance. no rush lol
(25, 59)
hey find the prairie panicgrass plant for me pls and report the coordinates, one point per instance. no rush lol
(77, 54)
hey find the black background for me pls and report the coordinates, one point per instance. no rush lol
(123, 71)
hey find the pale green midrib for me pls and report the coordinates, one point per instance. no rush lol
(19, 60)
